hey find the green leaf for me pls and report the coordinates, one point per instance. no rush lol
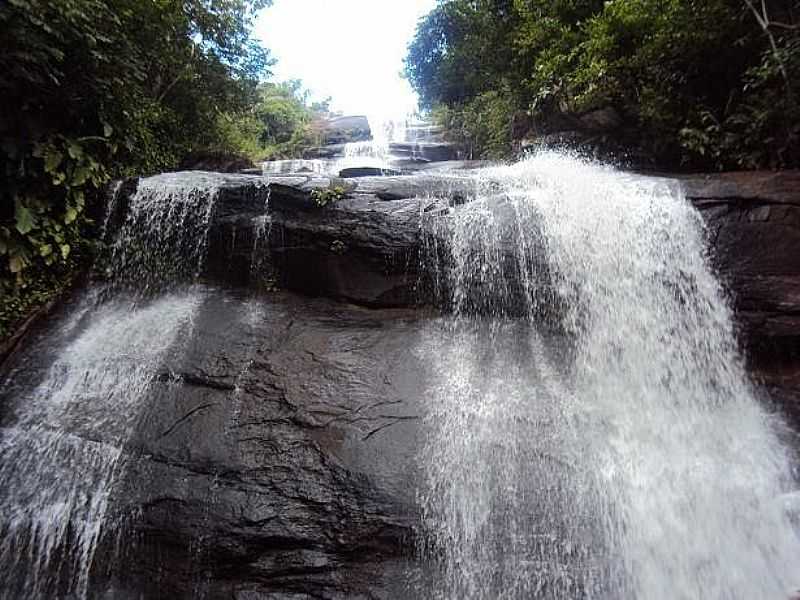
(52, 159)
(80, 175)
(75, 151)
(65, 250)
(45, 250)
(107, 130)
(25, 220)
(16, 264)
(70, 215)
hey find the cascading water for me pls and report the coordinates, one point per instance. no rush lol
(164, 237)
(62, 439)
(592, 432)
(375, 152)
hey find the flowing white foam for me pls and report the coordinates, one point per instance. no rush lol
(164, 237)
(626, 456)
(60, 454)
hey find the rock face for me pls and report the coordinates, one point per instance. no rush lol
(365, 247)
(340, 130)
(276, 452)
(274, 457)
(424, 151)
(753, 224)
(283, 456)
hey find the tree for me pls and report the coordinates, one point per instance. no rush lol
(91, 89)
(698, 84)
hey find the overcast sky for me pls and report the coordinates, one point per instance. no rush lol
(351, 50)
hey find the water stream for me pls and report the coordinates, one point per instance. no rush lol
(62, 444)
(618, 451)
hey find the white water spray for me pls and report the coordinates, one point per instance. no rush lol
(625, 456)
(62, 443)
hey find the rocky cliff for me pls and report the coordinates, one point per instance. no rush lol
(276, 453)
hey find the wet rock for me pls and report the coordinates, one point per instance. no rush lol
(324, 152)
(352, 172)
(293, 166)
(424, 132)
(274, 456)
(424, 185)
(300, 479)
(364, 244)
(446, 165)
(342, 130)
(753, 222)
(424, 151)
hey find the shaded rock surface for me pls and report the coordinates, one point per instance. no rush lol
(274, 457)
(365, 246)
(753, 224)
(424, 151)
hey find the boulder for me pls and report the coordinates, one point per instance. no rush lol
(274, 454)
(274, 167)
(341, 130)
(367, 244)
(324, 152)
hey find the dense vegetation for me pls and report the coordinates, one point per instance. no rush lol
(694, 84)
(95, 89)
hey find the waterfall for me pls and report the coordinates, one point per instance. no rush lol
(164, 236)
(64, 430)
(591, 431)
(588, 427)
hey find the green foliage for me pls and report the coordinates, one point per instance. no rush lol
(277, 125)
(323, 197)
(18, 302)
(285, 117)
(698, 84)
(93, 89)
(481, 125)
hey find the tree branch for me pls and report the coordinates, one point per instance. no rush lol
(764, 22)
(783, 25)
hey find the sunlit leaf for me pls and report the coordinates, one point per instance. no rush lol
(75, 151)
(52, 159)
(16, 264)
(25, 220)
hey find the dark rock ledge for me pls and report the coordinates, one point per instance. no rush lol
(367, 247)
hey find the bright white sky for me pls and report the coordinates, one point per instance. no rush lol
(351, 50)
